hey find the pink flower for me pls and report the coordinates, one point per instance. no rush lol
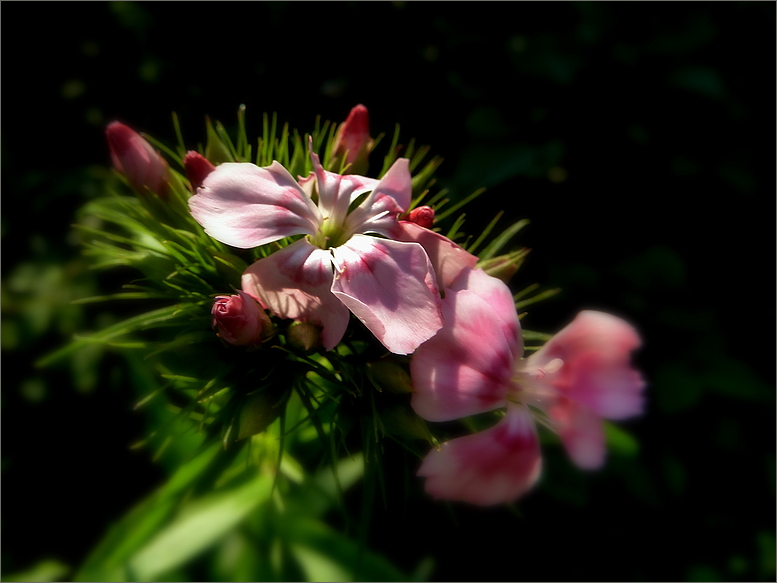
(239, 320)
(136, 159)
(197, 168)
(353, 142)
(390, 285)
(474, 364)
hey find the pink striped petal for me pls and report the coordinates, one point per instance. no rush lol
(467, 367)
(245, 206)
(390, 287)
(295, 283)
(581, 433)
(389, 197)
(495, 293)
(595, 349)
(448, 259)
(495, 466)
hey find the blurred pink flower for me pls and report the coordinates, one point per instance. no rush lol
(352, 142)
(474, 365)
(136, 159)
(239, 319)
(197, 168)
(389, 284)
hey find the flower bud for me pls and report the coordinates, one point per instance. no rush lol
(240, 320)
(136, 159)
(304, 335)
(197, 168)
(353, 142)
(390, 376)
(423, 216)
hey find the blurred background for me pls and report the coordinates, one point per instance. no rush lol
(639, 140)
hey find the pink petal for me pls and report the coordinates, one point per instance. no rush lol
(390, 287)
(467, 367)
(389, 197)
(295, 283)
(497, 295)
(581, 433)
(595, 349)
(246, 206)
(494, 466)
(449, 259)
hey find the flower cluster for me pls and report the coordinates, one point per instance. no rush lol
(331, 243)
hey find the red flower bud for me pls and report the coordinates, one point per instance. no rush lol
(423, 216)
(136, 159)
(353, 142)
(197, 168)
(239, 319)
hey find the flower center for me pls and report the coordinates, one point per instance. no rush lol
(528, 387)
(329, 234)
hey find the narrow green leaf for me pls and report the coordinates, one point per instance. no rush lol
(201, 524)
(133, 324)
(461, 203)
(393, 152)
(106, 562)
(486, 232)
(179, 136)
(495, 245)
(537, 298)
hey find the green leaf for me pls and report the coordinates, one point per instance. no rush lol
(461, 203)
(201, 524)
(45, 570)
(107, 562)
(495, 245)
(548, 293)
(620, 441)
(326, 555)
(133, 324)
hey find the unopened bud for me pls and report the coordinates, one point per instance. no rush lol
(136, 159)
(390, 376)
(423, 216)
(197, 168)
(304, 335)
(353, 143)
(403, 422)
(239, 320)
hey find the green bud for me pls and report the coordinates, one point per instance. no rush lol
(404, 423)
(304, 336)
(390, 376)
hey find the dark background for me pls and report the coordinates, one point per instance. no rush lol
(637, 137)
